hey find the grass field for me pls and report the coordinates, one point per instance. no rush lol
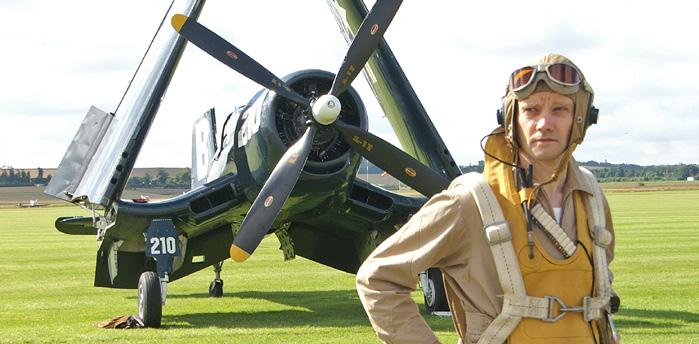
(46, 286)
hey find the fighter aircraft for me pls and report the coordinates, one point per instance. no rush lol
(284, 163)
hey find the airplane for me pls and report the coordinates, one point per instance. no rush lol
(285, 164)
(33, 203)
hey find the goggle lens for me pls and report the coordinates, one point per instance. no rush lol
(561, 73)
(521, 78)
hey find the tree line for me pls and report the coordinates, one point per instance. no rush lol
(16, 177)
(11, 177)
(607, 172)
(161, 179)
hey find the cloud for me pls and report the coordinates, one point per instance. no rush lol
(57, 61)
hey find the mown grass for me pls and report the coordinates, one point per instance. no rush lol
(657, 265)
(46, 285)
(47, 294)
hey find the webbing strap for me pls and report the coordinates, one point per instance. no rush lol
(500, 240)
(602, 238)
(555, 232)
(547, 308)
(516, 303)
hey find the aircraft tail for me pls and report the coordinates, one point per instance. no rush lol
(203, 147)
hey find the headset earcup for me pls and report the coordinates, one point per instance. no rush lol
(592, 115)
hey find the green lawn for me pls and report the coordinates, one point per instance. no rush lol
(657, 265)
(46, 286)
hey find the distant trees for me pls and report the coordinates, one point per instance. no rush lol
(685, 171)
(606, 172)
(626, 172)
(12, 177)
(162, 179)
(473, 168)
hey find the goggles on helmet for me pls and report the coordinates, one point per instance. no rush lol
(562, 78)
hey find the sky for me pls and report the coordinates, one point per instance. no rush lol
(58, 58)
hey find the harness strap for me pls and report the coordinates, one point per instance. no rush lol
(499, 237)
(547, 308)
(554, 231)
(602, 238)
(516, 303)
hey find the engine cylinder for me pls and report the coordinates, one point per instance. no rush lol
(330, 152)
(271, 124)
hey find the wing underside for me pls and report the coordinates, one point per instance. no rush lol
(344, 236)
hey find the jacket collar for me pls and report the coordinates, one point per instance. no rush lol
(575, 180)
(501, 177)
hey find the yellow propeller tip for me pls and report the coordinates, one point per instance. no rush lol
(178, 21)
(238, 254)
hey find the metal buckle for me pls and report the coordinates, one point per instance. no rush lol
(563, 309)
(497, 233)
(615, 334)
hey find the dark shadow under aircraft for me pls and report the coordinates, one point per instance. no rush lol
(285, 163)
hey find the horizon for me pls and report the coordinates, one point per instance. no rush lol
(7, 167)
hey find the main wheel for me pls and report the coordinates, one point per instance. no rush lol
(150, 304)
(435, 296)
(216, 288)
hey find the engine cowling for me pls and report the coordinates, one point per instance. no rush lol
(271, 124)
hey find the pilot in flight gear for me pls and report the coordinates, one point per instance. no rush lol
(524, 248)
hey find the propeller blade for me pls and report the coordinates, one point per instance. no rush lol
(393, 160)
(364, 43)
(233, 57)
(269, 201)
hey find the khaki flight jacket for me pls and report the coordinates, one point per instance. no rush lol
(447, 233)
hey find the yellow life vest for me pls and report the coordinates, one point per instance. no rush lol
(548, 282)
(568, 279)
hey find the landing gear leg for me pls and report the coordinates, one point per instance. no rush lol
(216, 286)
(433, 290)
(162, 246)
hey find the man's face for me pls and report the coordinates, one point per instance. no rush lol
(543, 125)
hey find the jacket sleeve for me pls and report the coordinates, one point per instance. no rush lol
(386, 279)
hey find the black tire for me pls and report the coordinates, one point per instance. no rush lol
(216, 288)
(150, 306)
(435, 296)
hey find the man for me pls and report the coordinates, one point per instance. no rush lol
(524, 249)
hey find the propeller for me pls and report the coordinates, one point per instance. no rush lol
(274, 193)
(364, 43)
(400, 165)
(325, 111)
(233, 57)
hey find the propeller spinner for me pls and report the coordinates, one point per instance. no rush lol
(325, 111)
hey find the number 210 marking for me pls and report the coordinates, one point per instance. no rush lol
(163, 245)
